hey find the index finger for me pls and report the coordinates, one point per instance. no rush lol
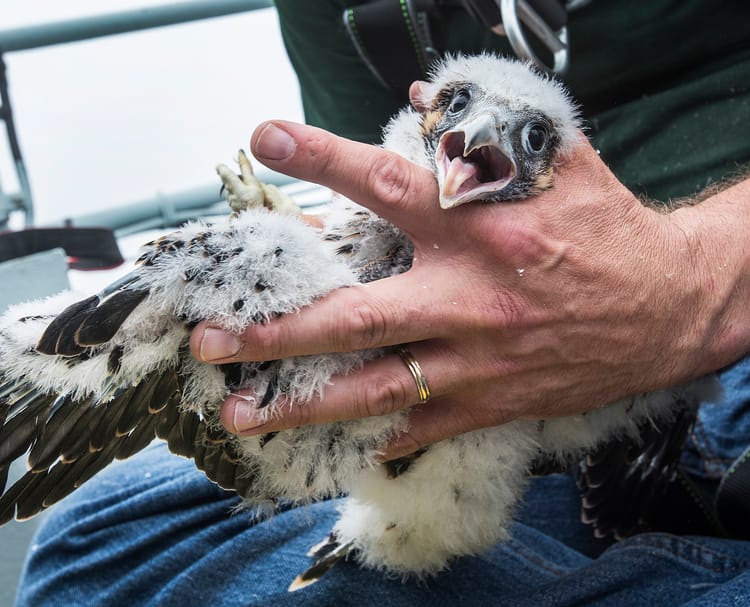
(388, 184)
(386, 312)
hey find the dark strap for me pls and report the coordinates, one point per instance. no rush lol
(390, 37)
(86, 248)
(733, 498)
(683, 510)
(393, 37)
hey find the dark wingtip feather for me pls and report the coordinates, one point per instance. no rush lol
(623, 483)
(71, 316)
(21, 430)
(183, 435)
(140, 437)
(11, 497)
(56, 432)
(328, 553)
(101, 324)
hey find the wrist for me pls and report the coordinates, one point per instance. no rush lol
(715, 236)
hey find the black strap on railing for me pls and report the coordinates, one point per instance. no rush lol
(86, 248)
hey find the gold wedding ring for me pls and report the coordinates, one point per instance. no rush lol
(423, 390)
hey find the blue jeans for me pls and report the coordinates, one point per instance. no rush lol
(154, 531)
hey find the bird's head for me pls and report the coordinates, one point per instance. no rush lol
(493, 128)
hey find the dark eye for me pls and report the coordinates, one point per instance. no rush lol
(535, 137)
(459, 102)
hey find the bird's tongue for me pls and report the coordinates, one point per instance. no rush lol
(460, 176)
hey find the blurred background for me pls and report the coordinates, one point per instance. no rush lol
(114, 120)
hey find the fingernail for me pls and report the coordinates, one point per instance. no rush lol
(245, 416)
(274, 144)
(216, 344)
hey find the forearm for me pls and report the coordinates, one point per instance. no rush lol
(717, 234)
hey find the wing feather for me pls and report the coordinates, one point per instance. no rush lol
(623, 482)
(66, 323)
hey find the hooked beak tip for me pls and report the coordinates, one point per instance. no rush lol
(448, 203)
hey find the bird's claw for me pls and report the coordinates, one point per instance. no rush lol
(246, 191)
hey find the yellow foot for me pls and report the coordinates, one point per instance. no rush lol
(246, 191)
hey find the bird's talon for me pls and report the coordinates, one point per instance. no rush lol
(246, 169)
(246, 191)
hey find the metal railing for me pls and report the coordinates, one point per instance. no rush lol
(168, 210)
(86, 28)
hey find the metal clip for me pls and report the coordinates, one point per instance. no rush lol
(555, 41)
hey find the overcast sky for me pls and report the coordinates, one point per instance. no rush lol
(121, 119)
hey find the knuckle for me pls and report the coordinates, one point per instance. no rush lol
(321, 149)
(302, 414)
(504, 312)
(390, 181)
(387, 395)
(266, 340)
(362, 326)
(321, 157)
(263, 336)
(408, 444)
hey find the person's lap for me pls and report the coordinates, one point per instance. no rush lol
(154, 531)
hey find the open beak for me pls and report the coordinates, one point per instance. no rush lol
(473, 160)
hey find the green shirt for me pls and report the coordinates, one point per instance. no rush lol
(664, 85)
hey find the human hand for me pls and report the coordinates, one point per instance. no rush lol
(544, 307)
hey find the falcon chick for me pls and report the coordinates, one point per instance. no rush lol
(100, 378)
